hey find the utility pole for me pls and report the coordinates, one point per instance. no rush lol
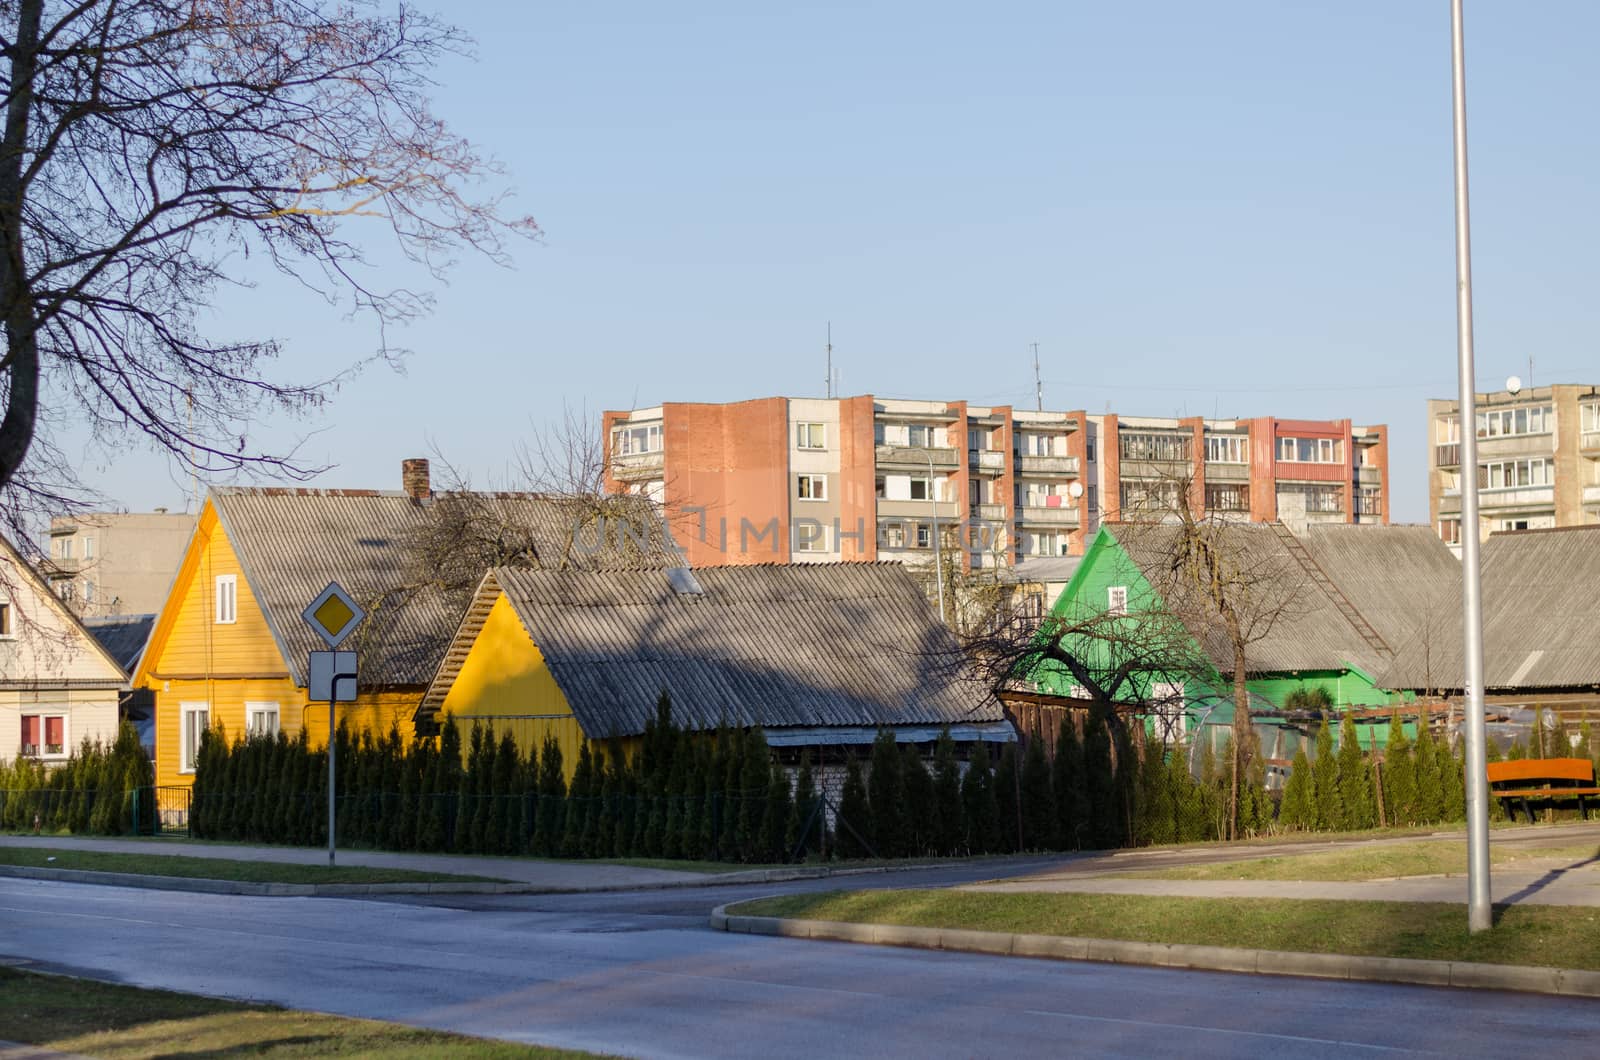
(1480, 913)
(1038, 385)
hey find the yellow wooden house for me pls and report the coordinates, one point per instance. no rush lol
(821, 655)
(230, 649)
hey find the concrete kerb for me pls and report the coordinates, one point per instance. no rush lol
(1461, 974)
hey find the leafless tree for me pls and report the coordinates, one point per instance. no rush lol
(147, 145)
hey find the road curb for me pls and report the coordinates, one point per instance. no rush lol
(1461, 974)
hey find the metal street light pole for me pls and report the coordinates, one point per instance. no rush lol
(938, 562)
(1480, 913)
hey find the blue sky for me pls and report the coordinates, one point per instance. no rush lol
(1233, 208)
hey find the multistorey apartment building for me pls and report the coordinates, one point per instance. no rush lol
(860, 478)
(115, 563)
(1261, 469)
(1538, 460)
(864, 478)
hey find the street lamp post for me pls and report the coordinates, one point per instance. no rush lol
(938, 562)
(1480, 913)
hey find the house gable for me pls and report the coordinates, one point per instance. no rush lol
(46, 644)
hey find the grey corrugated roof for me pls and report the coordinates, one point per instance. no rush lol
(845, 644)
(1541, 627)
(122, 636)
(292, 542)
(1312, 633)
(1391, 574)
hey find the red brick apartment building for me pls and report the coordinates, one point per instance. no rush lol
(864, 478)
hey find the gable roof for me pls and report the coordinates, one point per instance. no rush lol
(1354, 592)
(779, 645)
(20, 574)
(1541, 628)
(292, 542)
(122, 636)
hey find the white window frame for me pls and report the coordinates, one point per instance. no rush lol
(226, 594)
(924, 535)
(811, 487)
(925, 432)
(263, 707)
(927, 488)
(189, 734)
(1171, 707)
(40, 754)
(8, 618)
(1116, 600)
(818, 543)
(811, 435)
(1590, 420)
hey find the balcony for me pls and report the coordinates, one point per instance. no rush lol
(918, 511)
(1448, 455)
(987, 459)
(1227, 472)
(989, 513)
(1047, 465)
(1589, 442)
(1591, 495)
(1049, 515)
(1369, 476)
(916, 456)
(636, 466)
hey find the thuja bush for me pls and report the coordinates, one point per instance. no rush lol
(100, 789)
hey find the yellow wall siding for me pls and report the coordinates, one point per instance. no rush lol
(505, 684)
(194, 659)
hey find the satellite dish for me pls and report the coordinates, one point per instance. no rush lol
(1514, 384)
(1076, 489)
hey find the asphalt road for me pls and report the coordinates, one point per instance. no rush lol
(641, 975)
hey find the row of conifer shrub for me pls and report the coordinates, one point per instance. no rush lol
(99, 790)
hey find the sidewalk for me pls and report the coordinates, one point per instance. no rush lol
(1561, 883)
(552, 875)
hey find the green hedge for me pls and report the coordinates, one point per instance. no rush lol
(99, 790)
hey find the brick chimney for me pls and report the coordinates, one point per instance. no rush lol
(414, 479)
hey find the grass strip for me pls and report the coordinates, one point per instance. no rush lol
(218, 868)
(125, 1023)
(1370, 863)
(1548, 936)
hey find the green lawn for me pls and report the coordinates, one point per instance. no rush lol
(218, 868)
(1554, 936)
(1368, 863)
(124, 1023)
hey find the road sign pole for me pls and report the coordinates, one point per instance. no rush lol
(331, 755)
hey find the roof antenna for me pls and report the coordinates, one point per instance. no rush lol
(827, 380)
(1038, 386)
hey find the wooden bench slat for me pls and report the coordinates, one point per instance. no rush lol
(1540, 769)
(1538, 792)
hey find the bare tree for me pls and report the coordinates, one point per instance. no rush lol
(147, 142)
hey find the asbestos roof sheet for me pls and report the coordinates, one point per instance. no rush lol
(783, 646)
(292, 542)
(1541, 625)
(1393, 575)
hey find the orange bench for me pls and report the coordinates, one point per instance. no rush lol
(1544, 780)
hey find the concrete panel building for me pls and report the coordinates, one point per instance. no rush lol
(1538, 460)
(105, 564)
(865, 478)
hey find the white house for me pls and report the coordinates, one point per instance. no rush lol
(57, 684)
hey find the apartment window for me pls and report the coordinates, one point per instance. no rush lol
(1324, 500)
(1117, 600)
(1089, 452)
(1227, 449)
(1168, 447)
(631, 441)
(65, 547)
(977, 440)
(1229, 497)
(1311, 450)
(227, 599)
(809, 538)
(1514, 524)
(195, 718)
(1150, 496)
(1447, 430)
(921, 488)
(1450, 531)
(5, 620)
(1516, 474)
(44, 735)
(1169, 711)
(811, 488)
(1539, 419)
(880, 488)
(260, 719)
(88, 548)
(924, 535)
(1033, 443)
(1589, 418)
(810, 436)
(1092, 494)
(892, 535)
(919, 435)
(1369, 501)
(1045, 544)
(88, 590)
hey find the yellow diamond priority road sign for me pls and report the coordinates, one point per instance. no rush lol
(334, 614)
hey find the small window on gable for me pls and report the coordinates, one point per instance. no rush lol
(5, 619)
(1117, 600)
(227, 599)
